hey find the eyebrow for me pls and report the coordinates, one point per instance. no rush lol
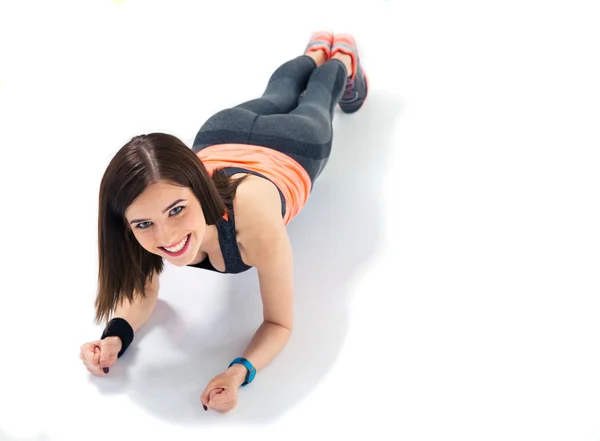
(168, 208)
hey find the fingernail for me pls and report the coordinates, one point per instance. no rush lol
(105, 370)
(205, 408)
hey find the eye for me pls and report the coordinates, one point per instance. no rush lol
(177, 208)
(174, 212)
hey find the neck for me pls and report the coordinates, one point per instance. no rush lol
(211, 239)
(210, 243)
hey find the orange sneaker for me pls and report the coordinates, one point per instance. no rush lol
(357, 85)
(321, 40)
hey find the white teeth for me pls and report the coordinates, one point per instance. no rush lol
(177, 247)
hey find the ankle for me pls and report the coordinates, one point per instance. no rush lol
(347, 60)
(319, 55)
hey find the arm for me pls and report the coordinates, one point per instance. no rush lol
(268, 248)
(138, 312)
(276, 287)
(104, 353)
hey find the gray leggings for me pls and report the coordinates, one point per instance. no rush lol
(299, 127)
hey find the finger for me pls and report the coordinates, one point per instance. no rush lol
(204, 398)
(91, 366)
(98, 373)
(215, 393)
(89, 346)
(211, 395)
(225, 406)
(218, 397)
(107, 357)
(98, 360)
(86, 355)
(208, 393)
(95, 372)
(86, 352)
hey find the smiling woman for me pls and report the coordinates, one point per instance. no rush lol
(222, 205)
(139, 213)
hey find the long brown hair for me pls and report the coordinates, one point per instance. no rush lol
(124, 266)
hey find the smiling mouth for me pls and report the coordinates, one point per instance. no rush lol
(179, 248)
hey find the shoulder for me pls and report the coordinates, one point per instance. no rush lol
(258, 219)
(257, 199)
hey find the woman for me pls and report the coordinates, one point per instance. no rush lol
(222, 205)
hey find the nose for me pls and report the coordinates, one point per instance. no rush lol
(166, 238)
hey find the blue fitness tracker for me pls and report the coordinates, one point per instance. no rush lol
(251, 371)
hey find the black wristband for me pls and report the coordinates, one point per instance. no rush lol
(119, 327)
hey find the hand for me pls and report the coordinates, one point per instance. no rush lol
(221, 392)
(99, 355)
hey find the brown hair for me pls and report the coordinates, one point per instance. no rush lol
(124, 266)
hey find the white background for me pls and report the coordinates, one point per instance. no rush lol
(446, 265)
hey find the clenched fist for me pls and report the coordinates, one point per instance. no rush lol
(221, 394)
(99, 355)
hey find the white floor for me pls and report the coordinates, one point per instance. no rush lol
(447, 263)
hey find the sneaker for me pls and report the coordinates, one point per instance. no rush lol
(357, 85)
(321, 40)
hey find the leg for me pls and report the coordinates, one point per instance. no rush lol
(289, 80)
(284, 88)
(234, 125)
(324, 90)
(306, 132)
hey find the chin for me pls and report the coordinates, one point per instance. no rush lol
(182, 261)
(178, 263)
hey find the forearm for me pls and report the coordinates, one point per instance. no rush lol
(266, 344)
(138, 312)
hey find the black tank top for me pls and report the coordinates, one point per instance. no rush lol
(227, 237)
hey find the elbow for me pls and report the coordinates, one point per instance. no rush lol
(287, 327)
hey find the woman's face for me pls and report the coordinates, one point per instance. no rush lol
(167, 220)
